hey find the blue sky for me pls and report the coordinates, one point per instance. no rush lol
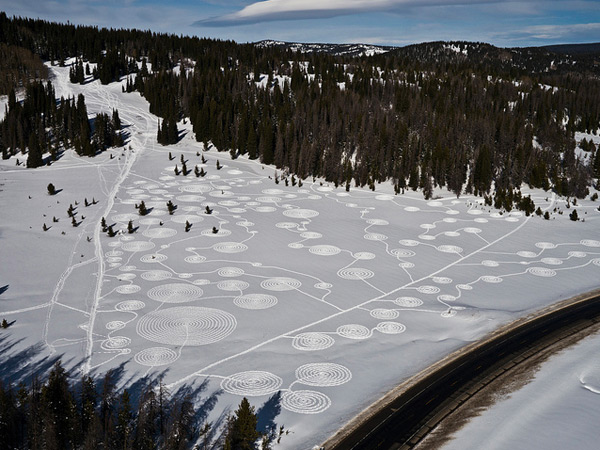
(388, 22)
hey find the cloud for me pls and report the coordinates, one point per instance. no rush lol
(273, 10)
(580, 32)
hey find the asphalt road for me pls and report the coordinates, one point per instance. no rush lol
(405, 420)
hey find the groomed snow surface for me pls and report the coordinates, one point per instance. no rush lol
(559, 409)
(330, 297)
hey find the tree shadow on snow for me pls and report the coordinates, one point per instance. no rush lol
(268, 412)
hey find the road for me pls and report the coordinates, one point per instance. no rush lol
(404, 417)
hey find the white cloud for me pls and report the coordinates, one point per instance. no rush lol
(270, 10)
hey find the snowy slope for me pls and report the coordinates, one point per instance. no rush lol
(330, 297)
(559, 409)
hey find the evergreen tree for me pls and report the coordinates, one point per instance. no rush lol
(242, 434)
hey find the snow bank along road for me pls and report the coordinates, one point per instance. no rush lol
(402, 418)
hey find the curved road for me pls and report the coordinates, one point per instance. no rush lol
(404, 416)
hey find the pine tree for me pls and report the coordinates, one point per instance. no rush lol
(242, 434)
(130, 228)
(51, 189)
(142, 210)
(188, 226)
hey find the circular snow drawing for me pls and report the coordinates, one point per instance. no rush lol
(156, 356)
(115, 343)
(175, 293)
(286, 225)
(552, 261)
(446, 298)
(323, 285)
(312, 341)
(390, 327)
(472, 230)
(311, 235)
(489, 263)
(428, 289)
(232, 285)
(137, 246)
(402, 253)
(412, 209)
(491, 279)
(159, 233)
(526, 254)
(465, 287)
(115, 325)
(128, 289)
(324, 250)
(194, 259)
(130, 305)
(576, 254)
(153, 258)
(301, 213)
(384, 197)
(408, 242)
(323, 374)
(375, 237)
(230, 247)
(442, 280)
(353, 331)
(377, 222)
(186, 325)
(408, 302)
(156, 275)
(427, 237)
(255, 301)
(590, 243)
(355, 273)
(305, 402)
(545, 245)
(364, 256)
(435, 203)
(230, 272)
(427, 226)
(541, 272)
(280, 284)
(449, 249)
(384, 314)
(252, 383)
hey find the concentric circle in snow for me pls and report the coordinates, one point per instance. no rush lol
(446, 298)
(156, 275)
(153, 258)
(311, 235)
(545, 245)
(128, 289)
(435, 204)
(230, 272)
(353, 331)
(363, 256)
(115, 325)
(449, 249)
(377, 222)
(408, 302)
(229, 247)
(390, 327)
(305, 402)
(408, 242)
(301, 213)
(526, 254)
(489, 263)
(323, 285)
(323, 374)
(472, 230)
(175, 293)
(384, 197)
(312, 341)
(115, 343)
(232, 285)
(402, 253)
(576, 254)
(324, 250)
(552, 261)
(491, 279)
(541, 272)
(355, 273)
(442, 280)
(427, 226)
(255, 301)
(286, 225)
(375, 237)
(384, 314)
(137, 246)
(156, 356)
(159, 233)
(196, 188)
(130, 305)
(428, 290)
(252, 383)
(194, 259)
(280, 284)
(590, 243)
(186, 325)
(208, 232)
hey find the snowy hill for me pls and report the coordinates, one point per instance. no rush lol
(332, 49)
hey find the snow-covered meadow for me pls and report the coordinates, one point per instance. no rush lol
(330, 297)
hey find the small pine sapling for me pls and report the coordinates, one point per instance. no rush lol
(73, 221)
(208, 210)
(130, 228)
(5, 324)
(203, 160)
(54, 219)
(171, 158)
(171, 207)
(188, 225)
(215, 230)
(111, 232)
(45, 227)
(103, 225)
(142, 210)
(51, 189)
(176, 170)
(196, 171)
(219, 165)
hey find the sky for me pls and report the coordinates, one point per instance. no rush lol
(384, 22)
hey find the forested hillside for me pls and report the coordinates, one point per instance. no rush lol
(456, 115)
